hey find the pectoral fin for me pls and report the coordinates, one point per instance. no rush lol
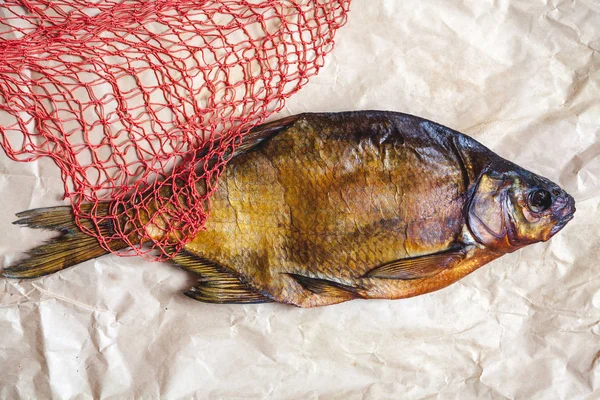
(418, 267)
(216, 285)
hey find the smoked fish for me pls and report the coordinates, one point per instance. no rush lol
(318, 209)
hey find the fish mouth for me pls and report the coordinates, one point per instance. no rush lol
(561, 224)
(564, 212)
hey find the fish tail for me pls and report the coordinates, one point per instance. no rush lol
(70, 248)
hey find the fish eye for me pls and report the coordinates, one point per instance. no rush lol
(539, 200)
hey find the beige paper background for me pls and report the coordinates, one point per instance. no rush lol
(521, 76)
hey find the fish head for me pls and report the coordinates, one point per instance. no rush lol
(511, 208)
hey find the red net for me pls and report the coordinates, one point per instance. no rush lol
(131, 98)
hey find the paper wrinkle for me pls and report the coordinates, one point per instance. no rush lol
(522, 77)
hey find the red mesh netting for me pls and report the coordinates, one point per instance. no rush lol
(126, 96)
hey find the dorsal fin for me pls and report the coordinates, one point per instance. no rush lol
(326, 287)
(255, 136)
(216, 285)
(258, 134)
(418, 267)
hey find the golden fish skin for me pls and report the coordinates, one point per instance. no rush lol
(333, 196)
(318, 209)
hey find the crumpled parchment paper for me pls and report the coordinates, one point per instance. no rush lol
(521, 76)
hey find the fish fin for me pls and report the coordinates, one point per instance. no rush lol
(251, 138)
(70, 248)
(51, 218)
(200, 265)
(216, 285)
(326, 287)
(417, 267)
(226, 291)
(258, 134)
